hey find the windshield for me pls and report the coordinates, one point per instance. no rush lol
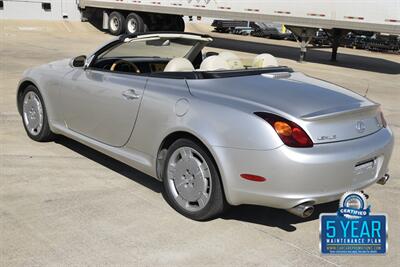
(154, 47)
(171, 52)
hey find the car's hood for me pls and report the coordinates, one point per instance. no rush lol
(328, 112)
(60, 63)
(59, 67)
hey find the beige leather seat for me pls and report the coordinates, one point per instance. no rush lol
(179, 64)
(214, 63)
(264, 61)
(233, 60)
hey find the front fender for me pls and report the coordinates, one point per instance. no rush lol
(24, 82)
(48, 80)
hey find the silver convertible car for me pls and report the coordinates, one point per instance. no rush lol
(215, 128)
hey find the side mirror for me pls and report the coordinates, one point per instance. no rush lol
(78, 61)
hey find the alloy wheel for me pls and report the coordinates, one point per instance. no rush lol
(189, 179)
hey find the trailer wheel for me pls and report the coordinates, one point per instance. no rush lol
(116, 23)
(172, 23)
(180, 24)
(134, 24)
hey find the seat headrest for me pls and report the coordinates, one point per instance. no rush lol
(214, 63)
(265, 60)
(233, 60)
(179, 64)
(228, 55)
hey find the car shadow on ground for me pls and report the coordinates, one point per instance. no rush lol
(245, 213)
(111, 163)
(358, 62)
(275, 217)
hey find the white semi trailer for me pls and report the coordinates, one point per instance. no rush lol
(302, 17)
(365, 15)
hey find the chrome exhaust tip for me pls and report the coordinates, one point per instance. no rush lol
(302, 210)
(384, 179)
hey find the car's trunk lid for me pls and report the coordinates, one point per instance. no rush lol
(328, 113)
(343, 123)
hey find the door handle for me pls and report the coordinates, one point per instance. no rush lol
(130, 94)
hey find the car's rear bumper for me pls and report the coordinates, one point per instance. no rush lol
(296, 175)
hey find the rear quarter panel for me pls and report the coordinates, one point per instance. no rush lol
(215, 121)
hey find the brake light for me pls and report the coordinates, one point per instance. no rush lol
(289, 132)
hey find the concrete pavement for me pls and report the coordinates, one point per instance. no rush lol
(62, 203)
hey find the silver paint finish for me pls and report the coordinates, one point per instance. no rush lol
(97, 102)
(294, 176)
(181, 107)
(93, 108)
(294, 98)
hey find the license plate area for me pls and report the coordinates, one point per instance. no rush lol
(365, 166)
(365, 171)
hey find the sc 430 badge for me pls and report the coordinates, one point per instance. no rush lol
(353, 229)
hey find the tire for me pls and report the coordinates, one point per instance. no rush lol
(199, 195)
(172, 23)
(31, 121)
(135, 24)
(180, 24)
(116, 23)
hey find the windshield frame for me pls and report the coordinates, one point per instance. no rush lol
(203, 41)
(146, 49)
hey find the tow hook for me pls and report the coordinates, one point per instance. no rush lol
(384, 179)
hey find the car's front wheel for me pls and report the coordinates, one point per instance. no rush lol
(191, 181)
(34, 115)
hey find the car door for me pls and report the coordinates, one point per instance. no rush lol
(102, 105)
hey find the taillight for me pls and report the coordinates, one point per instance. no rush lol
(290, 133)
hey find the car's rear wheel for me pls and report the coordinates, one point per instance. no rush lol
(191, 181)
(116, 23)
(34, 115)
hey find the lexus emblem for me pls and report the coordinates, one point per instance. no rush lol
(360, 126)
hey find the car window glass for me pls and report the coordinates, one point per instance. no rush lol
(152, 47)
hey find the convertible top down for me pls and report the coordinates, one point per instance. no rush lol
(215, 127)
